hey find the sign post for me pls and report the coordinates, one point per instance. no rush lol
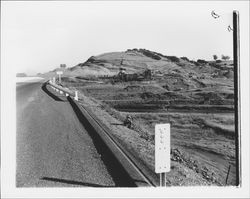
(162, 151)
(59, 73)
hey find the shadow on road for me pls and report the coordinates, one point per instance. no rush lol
(73, 182)
(44, 88)
(114, 167)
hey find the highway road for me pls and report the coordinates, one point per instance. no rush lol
(53, 147)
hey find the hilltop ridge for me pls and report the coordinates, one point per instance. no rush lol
(171, 72)
(138, 60)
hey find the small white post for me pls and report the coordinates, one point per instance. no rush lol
(60, 79)
(54, 80)
(162, 151)
(66, 94)
(76, 95)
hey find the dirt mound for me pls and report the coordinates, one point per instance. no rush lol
(176, 82)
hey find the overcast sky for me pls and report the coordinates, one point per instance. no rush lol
(39, 36)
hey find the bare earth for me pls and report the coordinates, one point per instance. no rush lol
(199, 156)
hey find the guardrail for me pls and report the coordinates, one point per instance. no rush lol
(63, 90)
(135, 170)
(115, 150)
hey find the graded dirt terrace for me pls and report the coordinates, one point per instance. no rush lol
(202, 142)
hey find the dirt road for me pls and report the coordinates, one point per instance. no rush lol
(53, 148)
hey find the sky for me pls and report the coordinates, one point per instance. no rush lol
(37, 37)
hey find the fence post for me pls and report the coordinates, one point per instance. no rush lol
(228, 173)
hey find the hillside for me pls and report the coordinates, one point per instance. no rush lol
(193, 82)
(195, 97)
(138, 60)
(198, 81)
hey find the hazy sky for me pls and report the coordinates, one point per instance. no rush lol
(39, 36)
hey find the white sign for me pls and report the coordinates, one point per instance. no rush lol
(162, 148)
(59, 72)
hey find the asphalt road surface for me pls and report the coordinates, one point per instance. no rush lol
(53, 147)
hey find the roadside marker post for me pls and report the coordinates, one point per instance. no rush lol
(76, 95)
(59, 73)
(162, 151)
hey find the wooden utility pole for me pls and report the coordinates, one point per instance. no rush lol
(236, 54)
